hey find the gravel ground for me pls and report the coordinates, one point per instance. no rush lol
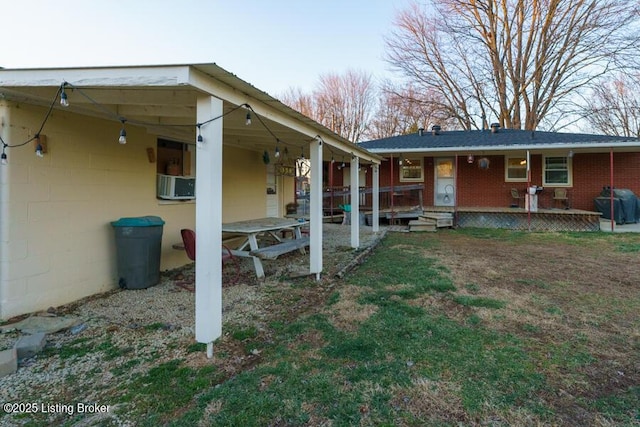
(156, 324)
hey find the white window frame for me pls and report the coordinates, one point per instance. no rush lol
(569, 162)
(507, 178)
(413, 164)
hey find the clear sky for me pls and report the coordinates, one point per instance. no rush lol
(272, 44)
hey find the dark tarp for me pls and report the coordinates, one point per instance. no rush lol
(626, 207)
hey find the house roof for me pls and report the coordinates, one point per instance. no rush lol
(502, 140)
(163, 99)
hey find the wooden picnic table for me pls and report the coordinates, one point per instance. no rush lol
(254, 227)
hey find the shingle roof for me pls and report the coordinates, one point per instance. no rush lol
(505, 139)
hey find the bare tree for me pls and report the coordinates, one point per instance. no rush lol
(515, 60)
(343, 103)
(614, 108)
(299, 101)
(404, 109)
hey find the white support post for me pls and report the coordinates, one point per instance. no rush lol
(355, 202)
(376, 198)
(315, 242)
(209, 224)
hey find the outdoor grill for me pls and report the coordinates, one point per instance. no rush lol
(626, 207)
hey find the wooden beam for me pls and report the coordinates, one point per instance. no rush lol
(126, 110)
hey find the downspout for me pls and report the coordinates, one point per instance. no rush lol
(611, 213)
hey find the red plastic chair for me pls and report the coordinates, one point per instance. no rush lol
(189, 241)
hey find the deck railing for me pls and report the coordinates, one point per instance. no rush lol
(398, 195)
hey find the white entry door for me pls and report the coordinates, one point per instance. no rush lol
(273, 200)
(444, 181)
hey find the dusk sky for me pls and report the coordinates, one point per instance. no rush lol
(273, 45)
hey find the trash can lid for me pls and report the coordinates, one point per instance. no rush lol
(141, 221)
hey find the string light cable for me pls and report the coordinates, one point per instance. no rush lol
(61, 95)
(5, 145)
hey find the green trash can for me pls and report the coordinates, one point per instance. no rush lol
(138, 247)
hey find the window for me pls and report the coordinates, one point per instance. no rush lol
(411, 170)
(556, 171)
(175, 168)
(175, 158)
(515, 169)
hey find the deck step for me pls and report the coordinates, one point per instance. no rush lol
(422, 225)
(442, 219)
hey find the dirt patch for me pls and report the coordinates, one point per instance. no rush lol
(434, 401)
(347, 314)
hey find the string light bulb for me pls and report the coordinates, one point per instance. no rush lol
(3, 158)
(277, 151)
(248, 121)
(39, 152)
(64, 101)
(200, 139)
(123, 133)
(302, 153)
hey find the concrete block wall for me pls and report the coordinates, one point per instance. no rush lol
(56, 241)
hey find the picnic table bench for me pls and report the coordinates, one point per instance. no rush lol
(286, 246)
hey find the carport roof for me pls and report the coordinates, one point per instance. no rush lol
(162, 98)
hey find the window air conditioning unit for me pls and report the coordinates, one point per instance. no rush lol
(176, 187)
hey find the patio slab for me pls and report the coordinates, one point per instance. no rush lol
(47, 325)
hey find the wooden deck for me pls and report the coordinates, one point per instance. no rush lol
(509, 218)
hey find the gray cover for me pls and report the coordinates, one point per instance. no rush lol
(626, 207)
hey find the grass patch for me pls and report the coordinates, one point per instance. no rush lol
(157, 326)
(333, 298)
(166, 389)
(628, 247)
(77, 348)
(473, 288)
(471, 301)
(499, 234)
(245, 333)
(197, 347)
(396, 263)
(125, 367)
(618, 406)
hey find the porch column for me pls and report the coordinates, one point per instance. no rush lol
(375, 199)
(315, 199)
(355, 202)
(209, 224)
